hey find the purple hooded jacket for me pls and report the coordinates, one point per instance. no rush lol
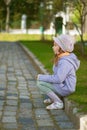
(64, 75)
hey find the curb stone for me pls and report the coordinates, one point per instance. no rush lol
(79, 120)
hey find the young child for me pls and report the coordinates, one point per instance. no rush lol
(63, 80)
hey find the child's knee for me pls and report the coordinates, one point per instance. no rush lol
(38, 82)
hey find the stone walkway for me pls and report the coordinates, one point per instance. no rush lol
(21, 104)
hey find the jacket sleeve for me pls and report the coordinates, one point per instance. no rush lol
(63, 69)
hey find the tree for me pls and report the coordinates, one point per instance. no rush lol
(58, 6)
(2, 14)
(20, 7)
(81, 8)
(14, 9)
(7, 2)
(11, 12)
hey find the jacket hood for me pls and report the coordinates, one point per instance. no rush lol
(72, 58)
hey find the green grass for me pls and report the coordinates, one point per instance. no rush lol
(18, 37)
(43, 51)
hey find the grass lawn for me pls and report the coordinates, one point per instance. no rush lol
(18, 37)
(43, 51)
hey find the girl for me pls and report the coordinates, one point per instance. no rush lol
(63, 80)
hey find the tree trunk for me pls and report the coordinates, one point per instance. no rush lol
(7, 2)
(85, 25)
(82, 44)
(7, 18)
(85, 20)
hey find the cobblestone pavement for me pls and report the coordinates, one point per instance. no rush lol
(21, 104)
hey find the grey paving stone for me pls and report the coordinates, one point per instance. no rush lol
(25, 100)
(10, 108)
(2, 93)
(12, 94)
(10, 126)
(1, 108)
(21, 82)
(45, 122)
(61, 118)
(2, 102)
(38, 100)
(9, 119)
(24, 94)
(57, 112)
(22, 91)
(26, 105)
(38, 105)
(2, 71)
(10, 69)
(12, 102)
(26, 114)
(32, 83)
(18, 74)
(12, 79)
(2, 97)
(2, 86)
(34, 96)
(22, 87)
(26, 121)
(24, 97)
(28, 127)
(21, 78)
(47, 128)
(42, 116)
(66, 125)
(9, 113)
(12, 83)
(40, 112)
(12, 97)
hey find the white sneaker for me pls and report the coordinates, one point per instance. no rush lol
(46, 101)
(55, 105)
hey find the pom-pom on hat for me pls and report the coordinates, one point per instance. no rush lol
(65, 42)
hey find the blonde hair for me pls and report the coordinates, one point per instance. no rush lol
(56, 56)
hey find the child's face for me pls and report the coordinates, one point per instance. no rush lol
(55, 48)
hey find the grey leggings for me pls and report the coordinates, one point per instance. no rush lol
(45, 87)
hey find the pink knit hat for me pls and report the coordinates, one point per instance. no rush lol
(65, 41)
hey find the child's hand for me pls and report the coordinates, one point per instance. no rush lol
(37, 76)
